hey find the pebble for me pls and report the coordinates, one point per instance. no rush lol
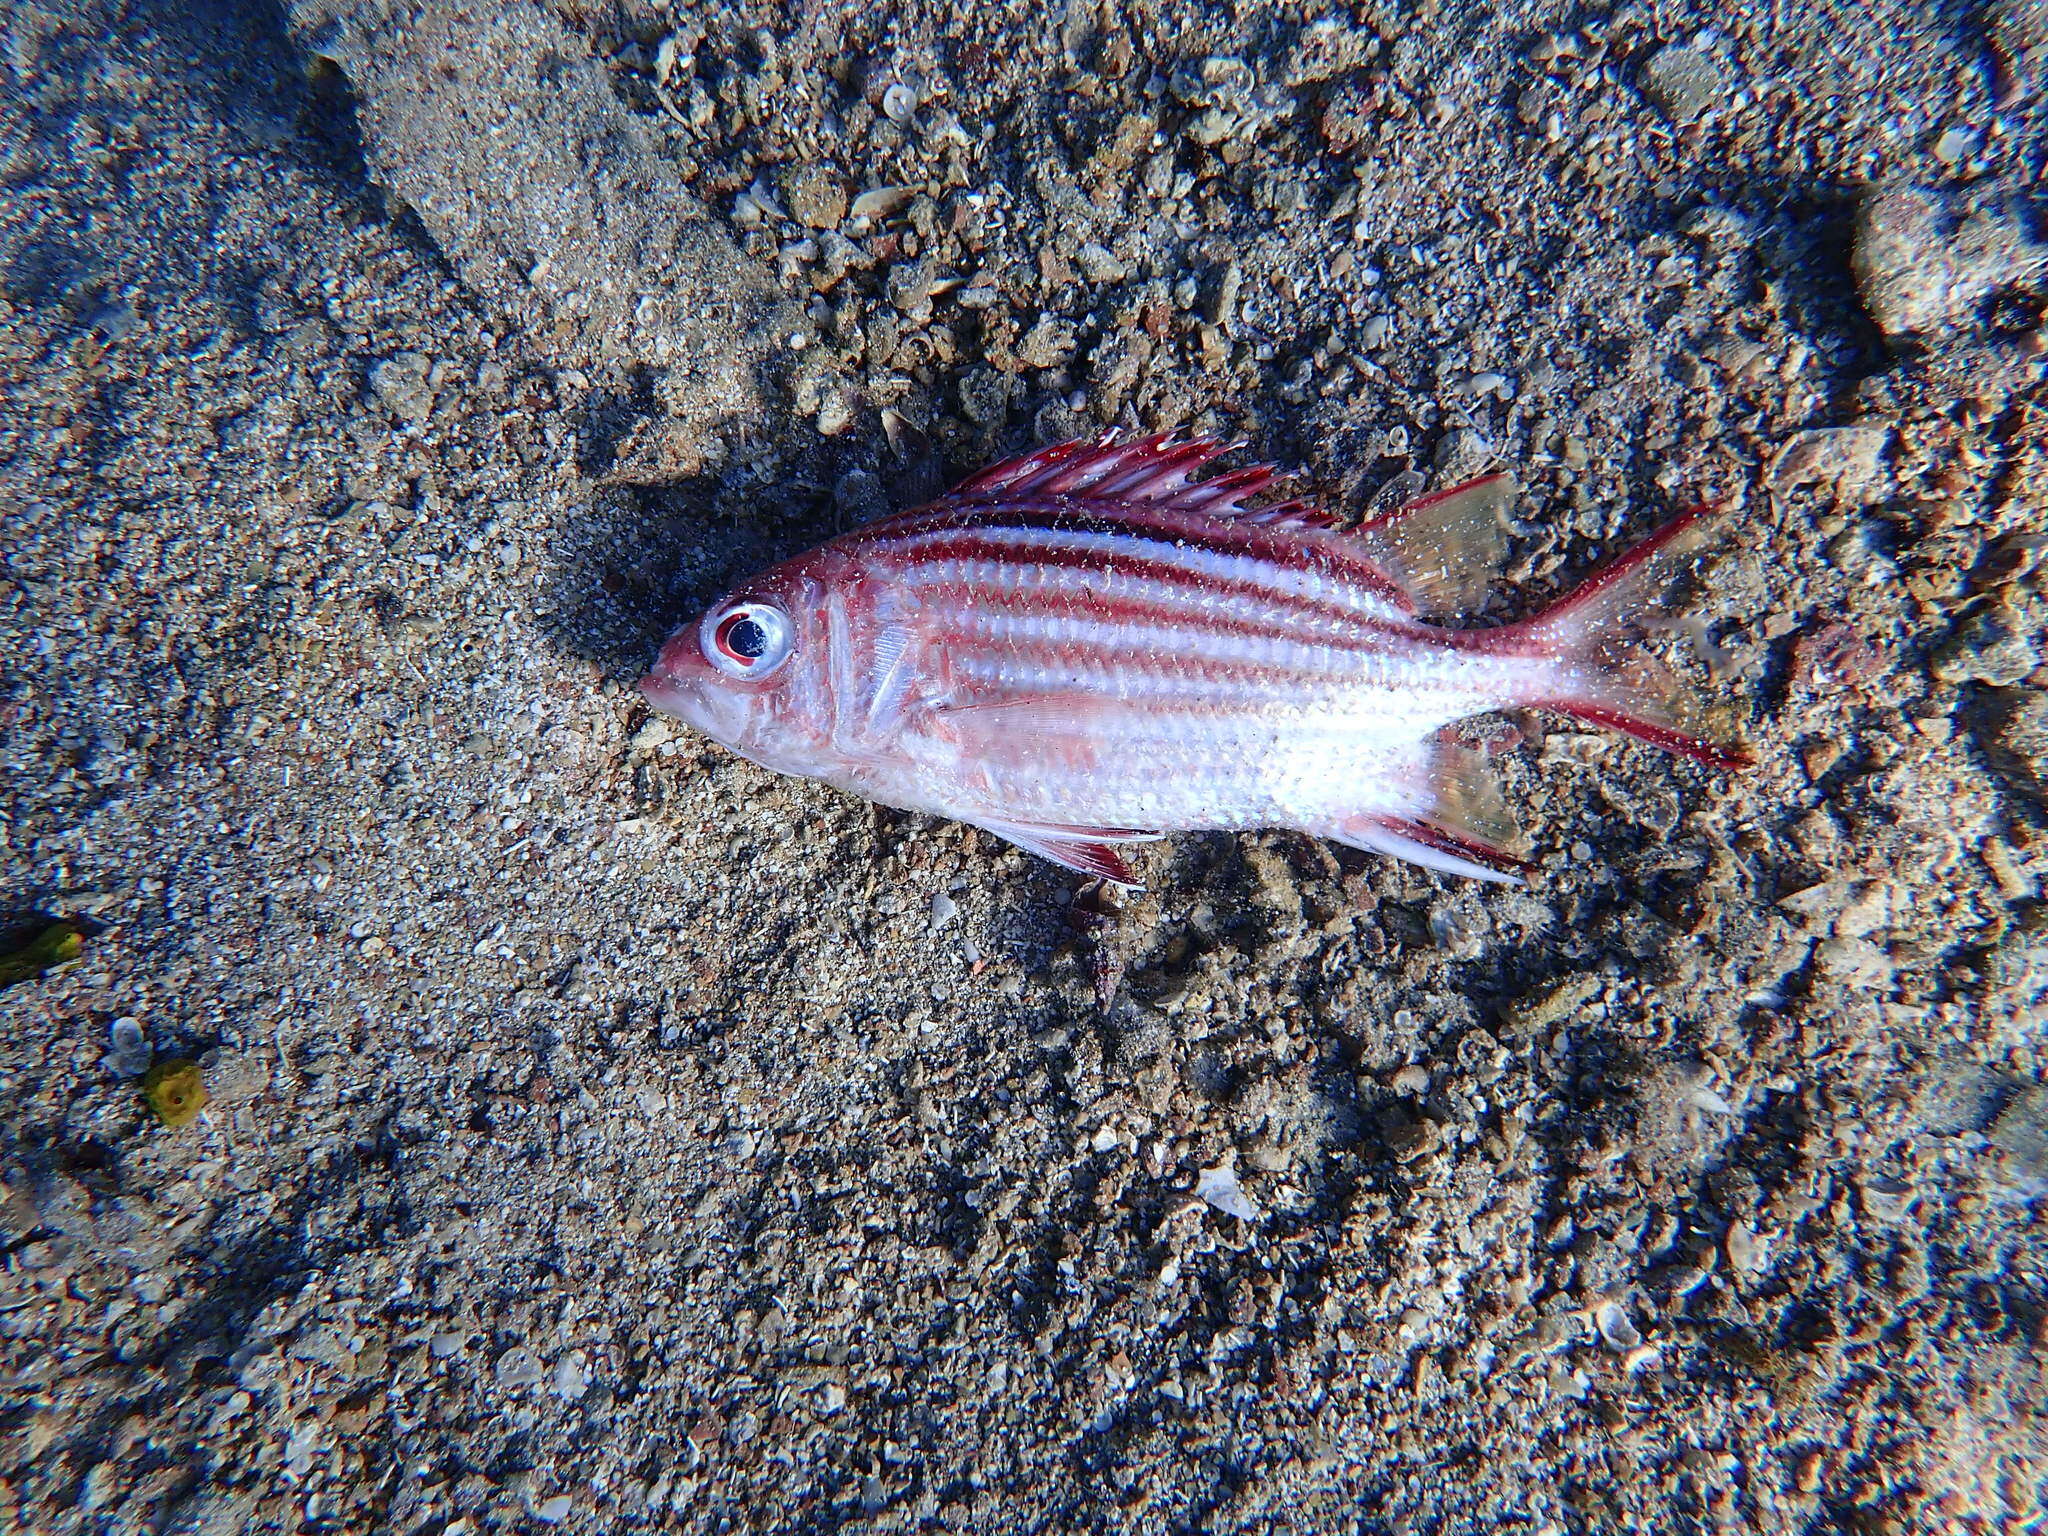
(881, 202)
(1847, 460)
(1922, 270)
(944, 908)
(1744, 1254)
(1686, 83)
(1099, 265)
(859, 495)
(1886, 1200)
(1218, 1188)
(128, 1050)
(1224, 311)
(2021, 1130)
(815, 196)
(400, 382)
(517, 1367)
(1050, 342)
(1990, 647)
(836, 412)
(1854, 962)
(657, 730)
(1953, 145)
(1617, 1329)
(1460, 454)
(572, 1376)
(1412, 1079)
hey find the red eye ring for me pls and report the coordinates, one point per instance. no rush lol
(747, 641)
(742, 638)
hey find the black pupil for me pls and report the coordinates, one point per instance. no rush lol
(746, 639)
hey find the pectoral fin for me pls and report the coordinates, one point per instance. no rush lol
(1085, 850)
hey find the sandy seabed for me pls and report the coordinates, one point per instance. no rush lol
(605, 1134)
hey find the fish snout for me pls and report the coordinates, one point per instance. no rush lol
(680, 684)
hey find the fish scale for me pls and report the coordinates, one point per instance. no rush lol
(1087, 645)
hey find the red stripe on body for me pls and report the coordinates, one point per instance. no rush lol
(1300, 551)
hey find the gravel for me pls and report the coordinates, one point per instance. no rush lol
(601, 1134)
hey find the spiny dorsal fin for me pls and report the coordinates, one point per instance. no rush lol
(1444, 549)
(1154, 471)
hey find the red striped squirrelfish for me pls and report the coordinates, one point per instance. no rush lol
(1086, 647)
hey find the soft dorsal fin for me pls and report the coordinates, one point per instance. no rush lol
(1444, 549)
(1154, 471)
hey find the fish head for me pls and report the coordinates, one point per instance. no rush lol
(752, 671)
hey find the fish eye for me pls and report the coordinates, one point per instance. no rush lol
(748, 641)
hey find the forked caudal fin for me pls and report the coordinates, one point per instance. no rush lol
(1609, 677)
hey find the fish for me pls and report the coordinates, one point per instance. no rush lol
(1101, 642)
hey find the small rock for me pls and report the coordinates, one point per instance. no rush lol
(1099, 265)
(1953, 145)
(1988, 648)
(1616, 1327)
(518, 1367)
(859, 494)
(1048, 343)
(2021, 1131)
(880, 202)
(1848, 460)
(128, 1049)
(910, 289)
(1686, 83)
(2025, 731)
(1835, 656)
(1223, 310)
(400, 382)
(1854, 962)
(1219, 1189)
(657, 730)
(836, 411)
(1920, 271)
(554, 1511)
(1886, 1200)
(943, 909)
(572, 1376)
(234, 1076)
(2018, 33)
(1409, 1139)
(1461, 454)
(1744, 1253)
(815, 196)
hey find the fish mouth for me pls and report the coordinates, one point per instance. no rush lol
(711, 712)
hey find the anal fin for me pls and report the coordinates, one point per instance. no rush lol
(1419, 841)
(1463, 827)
